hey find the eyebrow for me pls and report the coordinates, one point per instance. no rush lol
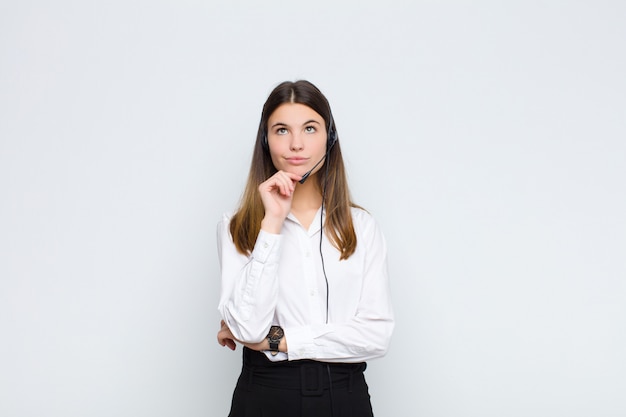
(303, 124)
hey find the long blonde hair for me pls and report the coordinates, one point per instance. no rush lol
(246, 223)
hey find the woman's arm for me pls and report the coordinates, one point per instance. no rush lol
(367, 333)
(249, 284)
(225, 338)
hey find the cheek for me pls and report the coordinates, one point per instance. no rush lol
(321, 147)
(277, 150)
(275, 158)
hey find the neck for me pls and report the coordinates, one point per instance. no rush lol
(307, 196)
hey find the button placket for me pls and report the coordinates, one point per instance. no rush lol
(310, 274)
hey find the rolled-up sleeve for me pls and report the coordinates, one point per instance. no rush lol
(365, 335)
(249, 284)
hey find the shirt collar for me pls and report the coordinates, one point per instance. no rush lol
(315, 225)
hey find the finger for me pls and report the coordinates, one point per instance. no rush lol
(228, 342)
(274, 183)
(223, 336)
(283, 182)
(288, 182)
(280, 182)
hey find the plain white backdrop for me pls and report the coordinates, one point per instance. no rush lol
(488, 139)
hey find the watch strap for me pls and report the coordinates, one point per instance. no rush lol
(274, 337)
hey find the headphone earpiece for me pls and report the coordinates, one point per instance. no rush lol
(266, 145)
(332, 134)
(332, 138)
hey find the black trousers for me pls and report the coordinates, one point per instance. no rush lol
(302, 388)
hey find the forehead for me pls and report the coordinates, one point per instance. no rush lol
(294, 114)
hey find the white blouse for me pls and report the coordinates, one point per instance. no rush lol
(282, 283)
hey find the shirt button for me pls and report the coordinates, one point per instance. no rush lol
(308, 254)
(266, 245)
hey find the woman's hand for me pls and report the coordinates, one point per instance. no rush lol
(225, 338)
(277, 194)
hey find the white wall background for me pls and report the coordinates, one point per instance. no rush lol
(488, 138)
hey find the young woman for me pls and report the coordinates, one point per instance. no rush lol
(304, 270)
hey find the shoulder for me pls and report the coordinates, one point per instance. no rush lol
(224, 223)
(363, 219)
(361, 215)
(225, 219)
(369, 234)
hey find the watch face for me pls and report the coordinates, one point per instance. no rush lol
(276, 333)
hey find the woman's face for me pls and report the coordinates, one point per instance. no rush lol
(296, 135)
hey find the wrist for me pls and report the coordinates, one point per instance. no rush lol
(274, 338)
(273, 226)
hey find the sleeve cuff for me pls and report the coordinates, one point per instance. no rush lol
(301, 341)
(266, 245)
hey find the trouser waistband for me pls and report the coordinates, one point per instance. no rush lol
(308, 376)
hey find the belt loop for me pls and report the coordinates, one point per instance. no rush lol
(311, 380)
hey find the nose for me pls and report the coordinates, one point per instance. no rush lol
(296, 143)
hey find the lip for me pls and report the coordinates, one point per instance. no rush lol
(296, 160)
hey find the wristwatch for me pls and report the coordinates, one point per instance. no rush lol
(274, 337)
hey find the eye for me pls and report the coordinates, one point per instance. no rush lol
(310, 129)
(281, 131)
